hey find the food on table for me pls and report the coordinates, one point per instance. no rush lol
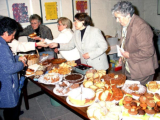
(111, 78)
(58, 61)
(29, 72)
(74, 77)
(71, 63)
(132, 111)
(150, 106)
(152, 86)
(53, 77)
(104, 111)
(127, 100)
(64, 87)
(90, 73)
(141, 112)
(143, 99)
(133, 105)
(81, 96)
(149, 95)
(39, 72)
(134, 89)
(143, 105)
(64, 71)
(32, 35)
(109, 94)
(157, 98)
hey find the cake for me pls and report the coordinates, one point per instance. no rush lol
(51, 77)
(134, 89)
(74, 77)
(81, 96)
(111, 78)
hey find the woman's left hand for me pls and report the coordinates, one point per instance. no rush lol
(86, 56)
(125, 54)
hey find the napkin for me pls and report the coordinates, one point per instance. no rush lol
(118, 51)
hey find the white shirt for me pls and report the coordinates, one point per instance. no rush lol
(17, 46)
(64, 37)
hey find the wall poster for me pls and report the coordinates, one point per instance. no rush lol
(50, 11)
(19, 10)
(81, 6)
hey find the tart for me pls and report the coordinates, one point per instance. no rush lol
(74, 78)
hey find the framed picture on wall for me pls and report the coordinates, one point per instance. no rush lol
(81, 6)
(158, 7)
(50, 11)
(19, 10)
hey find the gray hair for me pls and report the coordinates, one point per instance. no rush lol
(35, 17)
(124, 8)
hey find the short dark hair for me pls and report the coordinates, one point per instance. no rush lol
(8, 25)
(35, 17)
(84, 17)
(124, 7)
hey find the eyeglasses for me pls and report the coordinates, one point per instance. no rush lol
(59, 24)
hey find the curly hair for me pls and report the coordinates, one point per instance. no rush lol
(8, 25)
(123, 7)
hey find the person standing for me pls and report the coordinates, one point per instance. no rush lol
(89, 41)
(10, 66)
(139, 59)
(41, 31)
(64, 27)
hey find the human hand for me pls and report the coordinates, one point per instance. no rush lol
(23, 60)
(125, 54)
(53, 45)
(120, 60)
(36, 38)
(42, 44)
(86, 56)
(56, 50)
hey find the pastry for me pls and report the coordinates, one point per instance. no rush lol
(32, 35)
(152, 86)
(143, 99)
(132, 111)
(141, 112)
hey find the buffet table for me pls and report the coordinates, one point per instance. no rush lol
(81, 111)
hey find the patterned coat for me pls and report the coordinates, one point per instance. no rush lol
(9, 66)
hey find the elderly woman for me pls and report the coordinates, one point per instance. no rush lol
(10, 66)
(64, 27)
(42, 32)
(89, 41)
(139, 59)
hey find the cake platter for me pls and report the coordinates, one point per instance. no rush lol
(59, 94)
(48, 82)
(68, 101)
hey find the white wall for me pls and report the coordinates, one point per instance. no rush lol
(100, 13)
(150, 13)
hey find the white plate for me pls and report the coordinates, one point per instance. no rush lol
(59, 94)
(68, 101)
(41, 80)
